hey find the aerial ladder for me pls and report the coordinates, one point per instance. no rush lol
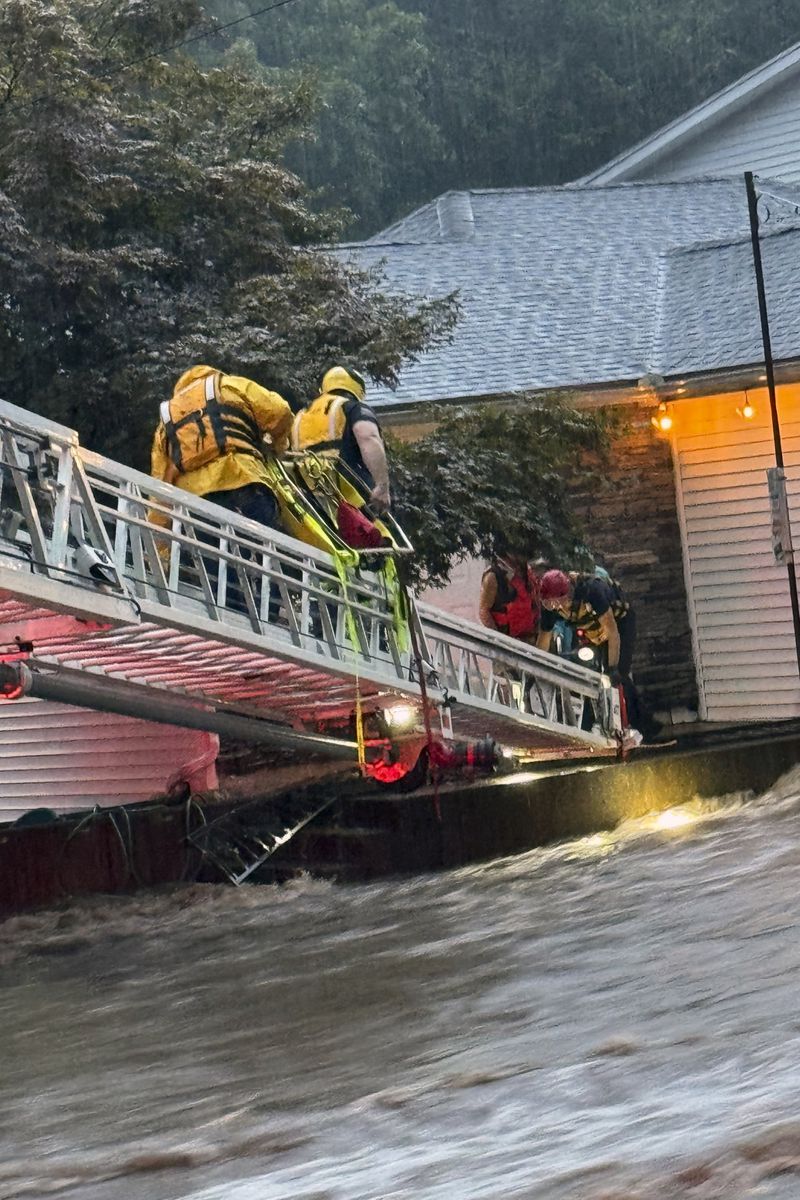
(120, 592)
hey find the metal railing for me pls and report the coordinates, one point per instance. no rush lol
(85, 535)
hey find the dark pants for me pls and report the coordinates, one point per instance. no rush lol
(253, 500)
(257, 502)
(638, 716)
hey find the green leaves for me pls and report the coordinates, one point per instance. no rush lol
(493, 471)
(147, 222)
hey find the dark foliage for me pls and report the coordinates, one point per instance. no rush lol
(418, 96)
(494, 471)
(146, 223)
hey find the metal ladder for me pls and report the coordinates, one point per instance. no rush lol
(243, 839)
(118, 578)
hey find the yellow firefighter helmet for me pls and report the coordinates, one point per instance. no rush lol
(344, 379)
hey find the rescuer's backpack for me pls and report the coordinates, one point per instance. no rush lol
(199, 427)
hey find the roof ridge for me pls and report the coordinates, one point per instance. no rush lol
(390, 234)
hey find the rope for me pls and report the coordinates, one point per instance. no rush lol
(350, 624)
(426, 716)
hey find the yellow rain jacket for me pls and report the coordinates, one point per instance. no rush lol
(246, 406)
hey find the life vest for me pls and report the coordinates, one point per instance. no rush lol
(320, 427)
(200, 427)
(583, 616)
(516, 606)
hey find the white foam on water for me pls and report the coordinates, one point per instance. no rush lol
(610, 1019)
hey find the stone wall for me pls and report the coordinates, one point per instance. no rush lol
(628, 507)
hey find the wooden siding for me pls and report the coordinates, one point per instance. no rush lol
(763, 137)
(738, 594)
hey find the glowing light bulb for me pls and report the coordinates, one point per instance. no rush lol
(401, 716)
(662, 421)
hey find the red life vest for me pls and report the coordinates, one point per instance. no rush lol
(516, 609)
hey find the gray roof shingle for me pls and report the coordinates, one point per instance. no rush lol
(565, 287)
(710, 319)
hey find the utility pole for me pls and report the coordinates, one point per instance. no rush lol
(777, 479)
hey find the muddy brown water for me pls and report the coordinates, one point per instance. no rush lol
(617, 1018)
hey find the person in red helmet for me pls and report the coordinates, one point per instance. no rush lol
(509, 599)
(605, 618)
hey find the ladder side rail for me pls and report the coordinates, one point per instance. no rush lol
(164, 497)
(511, 651)
(31, 425)
(60, 536)
(161, 498)
(527, 669)
(284, 555)
(466, 656)
(322, 574)
(40, 557)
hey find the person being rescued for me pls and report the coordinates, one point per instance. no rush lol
(509, 598)
(598, 609)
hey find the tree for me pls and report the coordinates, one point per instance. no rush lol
(418, 96)
(146, 223)
(372, 142)
(494, 472)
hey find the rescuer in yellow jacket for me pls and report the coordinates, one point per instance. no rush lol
(210, 441)
(338, 425)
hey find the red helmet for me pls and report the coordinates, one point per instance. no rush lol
(554, 585)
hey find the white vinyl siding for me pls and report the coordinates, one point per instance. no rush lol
(738, 594)
(763, 137)
(67, 759)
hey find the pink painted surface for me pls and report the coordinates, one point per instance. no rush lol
(68, 759)
(460, 597)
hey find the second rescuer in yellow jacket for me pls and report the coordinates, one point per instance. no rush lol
(210, 440)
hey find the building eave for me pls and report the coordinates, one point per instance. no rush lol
(650, 389)
(688, 126)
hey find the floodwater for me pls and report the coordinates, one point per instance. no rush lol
(613, 1019)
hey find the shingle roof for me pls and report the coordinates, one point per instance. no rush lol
(709, 316)
(561, 287)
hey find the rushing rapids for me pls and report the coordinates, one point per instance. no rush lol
(613, 1017)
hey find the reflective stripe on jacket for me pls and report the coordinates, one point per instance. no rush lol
(584, 617)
